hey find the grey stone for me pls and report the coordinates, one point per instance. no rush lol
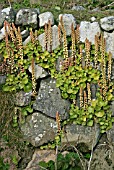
(81, 134)
(112, 77)
(39, 129)
(78, 8)
(39, 72)
(112, 107)
(93, 19)
(109, 42)
(55, 40)
(39, 155)
(107, 23)
(2, 79)
(27, 17)
(96, 9)
(89, 30)
(22, 98)
(110, 135)
(49, 100)
(45, 17)
(27, 40)
(93, 90)
(25, 33)
(68, 20)
(7, 14)
(2, 19)
(59, 63)
(103, 157)
(2, 33)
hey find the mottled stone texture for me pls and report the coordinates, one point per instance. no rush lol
(55, 40)
(45, 17)
(22, 98)
(7, 14)
(39, 71)
(49, 100)
(107, 23)
(27, 17)
(68, 20)
(89, 30)
(39, 129)
(81, 134)
(110, 43)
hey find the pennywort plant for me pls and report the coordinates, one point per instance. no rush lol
(82, 67)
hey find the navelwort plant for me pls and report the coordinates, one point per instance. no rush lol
(88, 65)
(20, 114)
(83, 66)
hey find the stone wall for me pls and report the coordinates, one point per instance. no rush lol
(32, 18)
(40, 126)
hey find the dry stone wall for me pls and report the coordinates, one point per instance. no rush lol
(41, 121)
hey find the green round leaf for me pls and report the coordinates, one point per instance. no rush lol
(100, 113)
(90, 123)
(69, 91)
(90, 109)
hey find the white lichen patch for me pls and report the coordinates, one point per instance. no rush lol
(51, 81)
(35, 120)
(54, 81)
(35, 125)
(53, 125)
(40, 135)
(37, 139)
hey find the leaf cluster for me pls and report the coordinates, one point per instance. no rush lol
(70, 161)
(70, 80)
(20, 114)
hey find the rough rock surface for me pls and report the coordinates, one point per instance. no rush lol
(27, 17)
(27, 40)
(93, 19)
(109, 42)
(39, 72)
(55, 40)
(77, 134)
(112, 70)
(45, 17)
(2, 79)
(68, 20)
(38, 156)
(7, 14)
(25, 33)
(110, 133)
(2, 33)
(103, 158)
(89, 30)
(107, 23)
(49, 100)
(78, 8)
(39, 129)
(22, 98)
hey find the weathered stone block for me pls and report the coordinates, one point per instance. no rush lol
(107, 23)
(49, 100)
(89, 30)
